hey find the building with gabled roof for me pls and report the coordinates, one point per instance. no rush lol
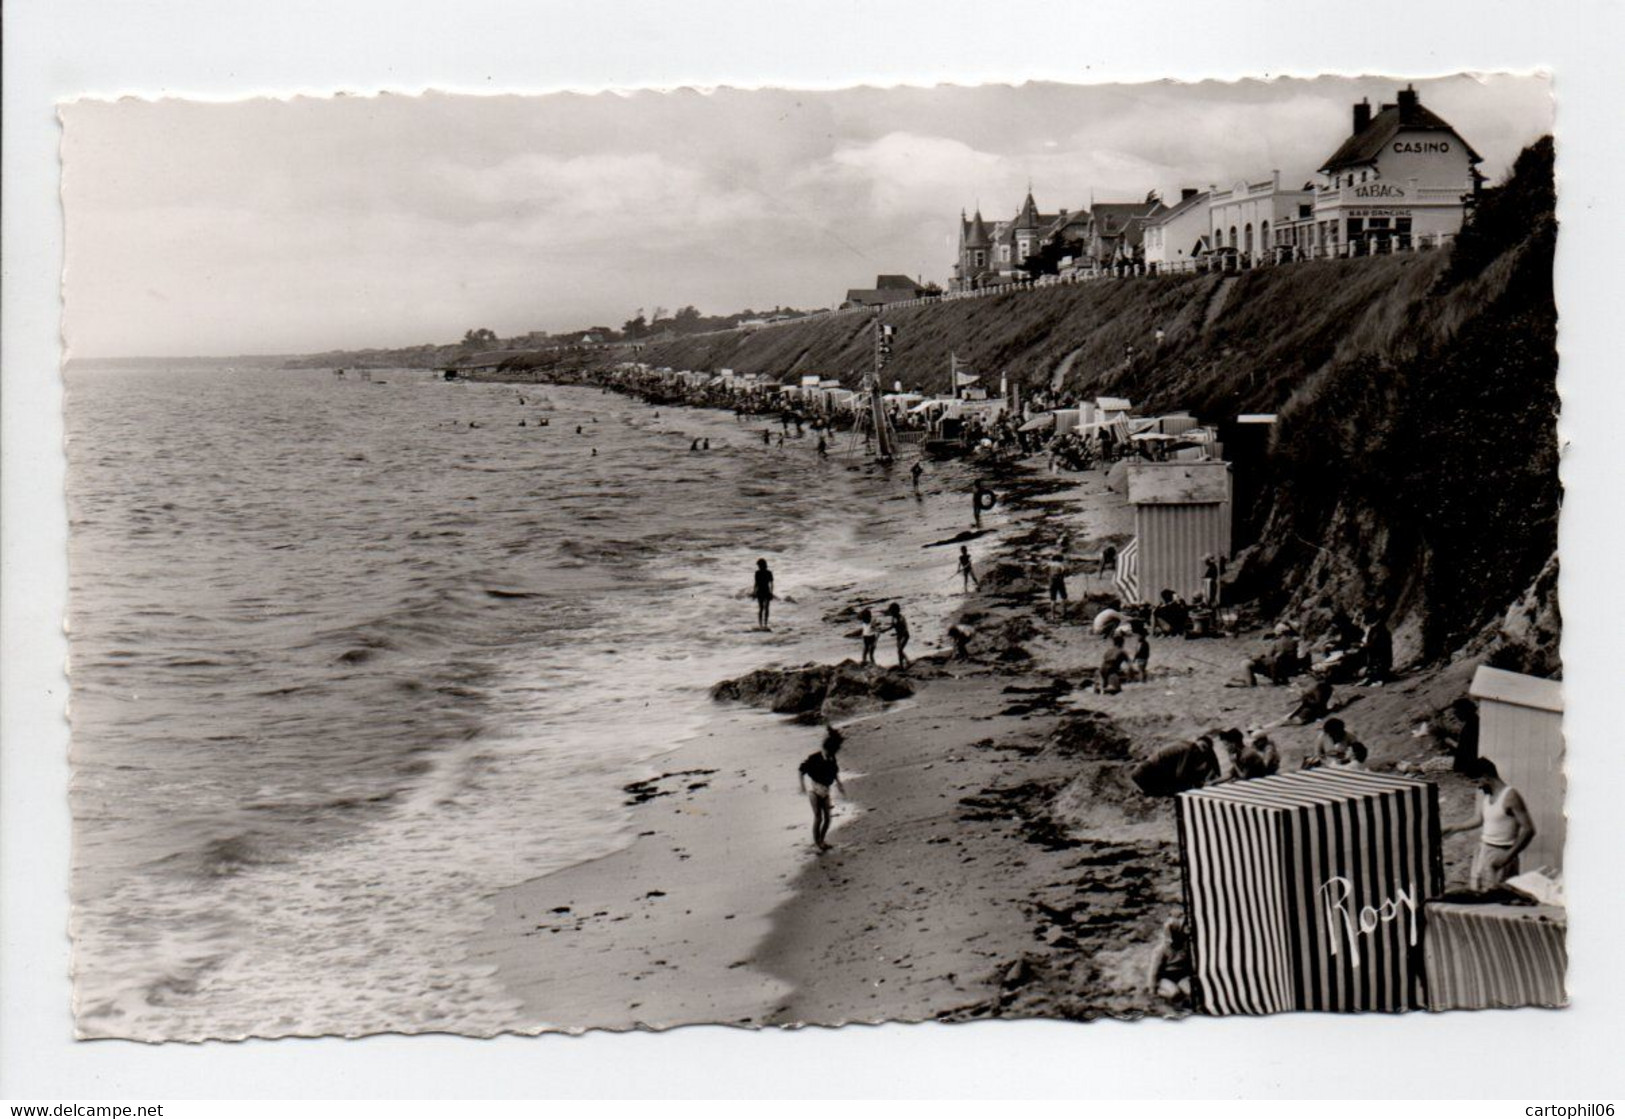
(887, 289)
(1402, 175)
(1249, 216)
(1175, 235)
(995, 255)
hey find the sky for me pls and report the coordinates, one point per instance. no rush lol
(300, 225)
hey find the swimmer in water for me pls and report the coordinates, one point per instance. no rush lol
(706, 445)
(578, 429)
(767, 437)
(595, 452)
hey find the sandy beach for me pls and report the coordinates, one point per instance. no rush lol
(994, 859)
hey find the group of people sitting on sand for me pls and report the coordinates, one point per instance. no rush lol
(1346, 654)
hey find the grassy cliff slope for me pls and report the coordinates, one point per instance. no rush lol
(1229, 343)
(1414, 467)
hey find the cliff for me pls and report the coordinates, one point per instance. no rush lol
(1413, 470)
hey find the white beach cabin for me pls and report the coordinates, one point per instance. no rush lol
(1520, 723)
(1182, 513)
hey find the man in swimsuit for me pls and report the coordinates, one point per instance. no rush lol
(1507, 828)
(763, 593)
(824, 772)
(1057, 585)
(914, 472)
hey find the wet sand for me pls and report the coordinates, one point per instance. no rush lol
(994, 861)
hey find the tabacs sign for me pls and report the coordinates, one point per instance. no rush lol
(1378, 190)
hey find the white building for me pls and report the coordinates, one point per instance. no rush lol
(1403, 176)
(1248, 217)
(1177, 234)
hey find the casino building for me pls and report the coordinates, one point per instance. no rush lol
(1403, 177)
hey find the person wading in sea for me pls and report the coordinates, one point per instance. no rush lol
(824, 773)
(763, 593)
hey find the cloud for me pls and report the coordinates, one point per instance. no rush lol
(313, 223)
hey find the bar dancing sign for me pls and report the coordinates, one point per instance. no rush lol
(1305, 891)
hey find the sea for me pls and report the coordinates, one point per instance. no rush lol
(347, 657)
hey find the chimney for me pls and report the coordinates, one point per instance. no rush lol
(1362, 115)
(1187, 193)
(1407, 100)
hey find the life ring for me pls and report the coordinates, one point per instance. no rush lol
(985, 500)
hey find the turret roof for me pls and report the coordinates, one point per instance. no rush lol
(977, 237)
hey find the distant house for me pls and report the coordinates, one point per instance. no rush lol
(1178, 233)
(995, 255)
(887, 289)
(1250, 216)
(1118, 234)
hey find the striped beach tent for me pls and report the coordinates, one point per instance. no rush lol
(1484, 956)
(1305, 891)
(1128, 572)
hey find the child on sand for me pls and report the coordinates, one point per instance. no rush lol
(967, 573)
(899, 628)
(1142, 651)
(824, 772)
(1171, 966)
(870, 635)
(1111, 667)
(1335, 746)
(961, 634)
